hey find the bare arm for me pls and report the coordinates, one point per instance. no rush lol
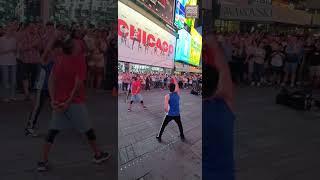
(216, 59)
(166, 103)
(177, 89)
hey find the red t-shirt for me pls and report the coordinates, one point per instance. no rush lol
(65, 71)
(136, 87)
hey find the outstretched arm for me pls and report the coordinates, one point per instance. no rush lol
(215, 58)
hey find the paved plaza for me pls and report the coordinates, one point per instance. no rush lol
(142, 156)
(274, 142)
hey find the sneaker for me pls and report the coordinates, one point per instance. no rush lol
(30, 132)
(103, 157)
(258, 84)
(43, 166)
(144, 107)
(253, 83)
(158, 138)
(129, 110)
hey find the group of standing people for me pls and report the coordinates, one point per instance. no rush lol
(157, 80)
(271, 59)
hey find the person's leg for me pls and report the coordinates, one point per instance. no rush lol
(286, 74)
(5, 76)
(48, 144)
(32, 120)
(13, 82)
(293, 73)
(5, 79)
(92, 142)
(165, 122)
(177, 119)
(25, 79)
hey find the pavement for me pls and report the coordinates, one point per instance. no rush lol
(274, 142)
(71, 157)
(141, 156)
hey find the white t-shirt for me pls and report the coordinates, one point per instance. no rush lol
(8, 58)
(277, 60)
(259, 55)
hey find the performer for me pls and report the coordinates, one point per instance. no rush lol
(135, 93)
(171, 107)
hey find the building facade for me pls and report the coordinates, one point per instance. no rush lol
(84, 11)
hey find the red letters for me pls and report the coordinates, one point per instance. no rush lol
(144, 37)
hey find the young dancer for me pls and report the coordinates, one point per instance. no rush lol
(172, 108)
(67, 92)
(135, 93)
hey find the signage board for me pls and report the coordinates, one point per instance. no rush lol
(162, 8)
(141, 41)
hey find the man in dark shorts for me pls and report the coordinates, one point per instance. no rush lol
(135, 93)
(218, 117)
(67, 92)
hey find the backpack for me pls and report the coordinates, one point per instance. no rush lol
(299, 99)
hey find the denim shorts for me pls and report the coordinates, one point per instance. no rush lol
(136, 98)
(75, 117)
(290, 67)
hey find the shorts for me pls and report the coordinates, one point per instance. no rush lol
(275, 69)
(29, 71)
(314, 70)
(136, 98)
(76, 116)
(290, 67)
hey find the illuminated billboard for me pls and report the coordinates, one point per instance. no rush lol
(190, 21)
(183, 46)
(143, 42)
(196, 47)
(163, 8)
(180, 14)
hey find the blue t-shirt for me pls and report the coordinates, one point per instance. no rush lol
(217, 141)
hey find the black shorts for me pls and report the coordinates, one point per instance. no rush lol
(275, 69)
(29, 71)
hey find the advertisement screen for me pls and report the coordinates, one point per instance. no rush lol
(180, 13)
(143, 42)
(196, 47)
(162, 8)
(190, 21)
(183, 46)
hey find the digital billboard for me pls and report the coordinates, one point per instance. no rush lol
(163, 8)
(196, 47)
(183, 46)
(190, 21)
(180, 13)
(142, 41)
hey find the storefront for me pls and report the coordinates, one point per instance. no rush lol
(143, 45)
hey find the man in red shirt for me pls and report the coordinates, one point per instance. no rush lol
(135, 93)
(67, 92)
